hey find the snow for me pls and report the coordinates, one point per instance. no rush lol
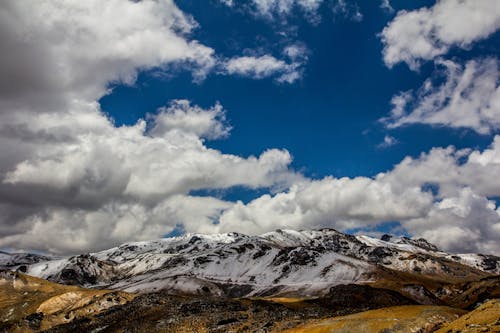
(397, 243)
(304, 262)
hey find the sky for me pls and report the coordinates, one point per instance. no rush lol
(132, 120)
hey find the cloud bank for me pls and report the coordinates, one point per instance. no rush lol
(72, 181)
(426, 33)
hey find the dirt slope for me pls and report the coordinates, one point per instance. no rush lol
(32, 304)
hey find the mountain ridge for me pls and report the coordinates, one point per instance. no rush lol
(280, 263)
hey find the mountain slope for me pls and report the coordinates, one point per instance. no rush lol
(279, 263)
(31, 304)
(417, 318)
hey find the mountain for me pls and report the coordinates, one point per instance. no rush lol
(280, 263)
(14, 260)
(301, 281)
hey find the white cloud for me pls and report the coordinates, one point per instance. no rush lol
(56, 52)
(340, 203)
(228, 3)
(423, 34)
(257, 67)
(465, 223)
(389, 141)
(181, 116)
(459, 217)
(452, 170)
(128, 161)
(101, 167)
(264, 66)
(466, 97)
(282, 8)
(386, 5)
(73, 181)
(347, 9)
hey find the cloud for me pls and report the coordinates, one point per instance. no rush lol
(426, 33)
(64, 188)
(465, 96)
(451, 170)
(228, 3)
(389, 141)
(341, 203)
(465, 223)
(348, 10)
(264, 66)
(276, 10)
(56, 52)
(72, 181)
(386, 6)
(256, 67)
(282, 8)
(458, 216)
(181, 116)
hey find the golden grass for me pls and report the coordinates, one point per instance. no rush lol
(397, 319)
(22, 295)
(485, 318)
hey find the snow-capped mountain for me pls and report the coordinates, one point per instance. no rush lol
(282, 262)
(8, 260)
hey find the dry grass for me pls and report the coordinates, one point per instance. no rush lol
(22, 295)
(411, 318)
(485, 318)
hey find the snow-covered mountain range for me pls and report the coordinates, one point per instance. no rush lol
(282, 262)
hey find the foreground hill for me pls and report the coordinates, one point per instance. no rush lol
(32, 304)
(416, 318)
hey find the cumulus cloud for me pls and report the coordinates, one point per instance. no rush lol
(73, 181)
(457, 216)
(452, 170)
(56, 52)
(465, 96)
(426, 33)
(181, 116)
(342, 203)
(464, 223)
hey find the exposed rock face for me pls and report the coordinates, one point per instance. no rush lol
(359, 298)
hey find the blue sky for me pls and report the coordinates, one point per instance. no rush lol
(129, 120)
(328, 120)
